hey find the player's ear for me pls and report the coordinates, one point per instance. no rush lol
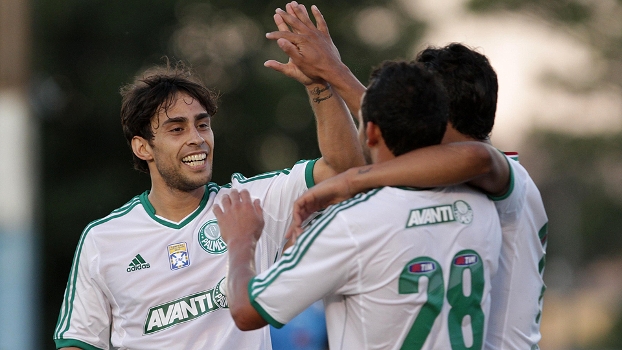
(141, 148)
(373, 134)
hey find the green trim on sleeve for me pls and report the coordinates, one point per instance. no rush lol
(66, 343)
(309, 173)
(511, 188)
(274, 323)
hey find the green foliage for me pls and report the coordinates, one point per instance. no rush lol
(580, 189)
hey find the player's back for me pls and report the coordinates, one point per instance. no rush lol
(418, 268)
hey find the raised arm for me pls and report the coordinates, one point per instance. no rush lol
(240, 220)
(312, 50)
(337, 136)
(476, 163)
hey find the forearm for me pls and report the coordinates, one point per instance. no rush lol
(439, 165)
(241, 271)
(336, 132)
(346, 85)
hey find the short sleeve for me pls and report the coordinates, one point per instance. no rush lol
(277, 191)
(321, 262)
(85, 315)
(510, 205)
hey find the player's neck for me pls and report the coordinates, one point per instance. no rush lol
(174, 205)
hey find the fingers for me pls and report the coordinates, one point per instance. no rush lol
(257, 205)
(286, 45)
(319, 20)
(280, 24)
(245, 196)
(279, 67)
(300, 11)
(234, 195)
(291, 20)
(287, 35)
(218, 211)
(233, 199)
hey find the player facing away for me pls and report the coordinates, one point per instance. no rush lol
(150, 274)
(465, 156)
(397, 267)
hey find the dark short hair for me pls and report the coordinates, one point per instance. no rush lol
(408, 104)
(471, 85)
(153, 90)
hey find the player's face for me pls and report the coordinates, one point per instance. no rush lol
(183, 144)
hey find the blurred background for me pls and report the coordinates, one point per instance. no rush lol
(64, 161)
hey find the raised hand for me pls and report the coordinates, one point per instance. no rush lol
(312, 52)
(310, 48)
(239, 217)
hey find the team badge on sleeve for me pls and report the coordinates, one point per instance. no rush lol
(178, 255)
(210, 239)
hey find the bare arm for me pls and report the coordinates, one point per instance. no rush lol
(476, 163)
(337, 137)
(315, 55)
(240, 220)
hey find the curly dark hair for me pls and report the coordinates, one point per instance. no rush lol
(408, 104)
(471, 85)
(153, 90)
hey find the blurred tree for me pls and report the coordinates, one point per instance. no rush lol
(580, 177)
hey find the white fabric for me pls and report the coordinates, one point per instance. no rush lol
(354, 254)
(108, 298)
(518, 286)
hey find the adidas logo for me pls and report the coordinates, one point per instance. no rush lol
(138, 263)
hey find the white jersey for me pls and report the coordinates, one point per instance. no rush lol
(395, 267)
(518, 286)
(139, 281)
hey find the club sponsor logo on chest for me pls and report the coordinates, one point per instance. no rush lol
(210, 239)
(178, 256)
(185, 309)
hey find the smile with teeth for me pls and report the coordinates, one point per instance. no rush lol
(195, 159)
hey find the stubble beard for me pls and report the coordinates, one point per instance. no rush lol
(174, 179)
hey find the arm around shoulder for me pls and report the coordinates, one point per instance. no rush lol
(473, 162)
(495, 179)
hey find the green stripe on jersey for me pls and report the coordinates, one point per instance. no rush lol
(510, 188)
(543, 234)
(292, 258)
(66, 343)
(144, 198)
(65, 314)
(309, 179)
(243, 179)
(263, 313)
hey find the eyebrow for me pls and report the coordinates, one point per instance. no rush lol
(199, 116)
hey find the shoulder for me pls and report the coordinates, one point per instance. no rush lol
(301, 172)
(117, 217)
